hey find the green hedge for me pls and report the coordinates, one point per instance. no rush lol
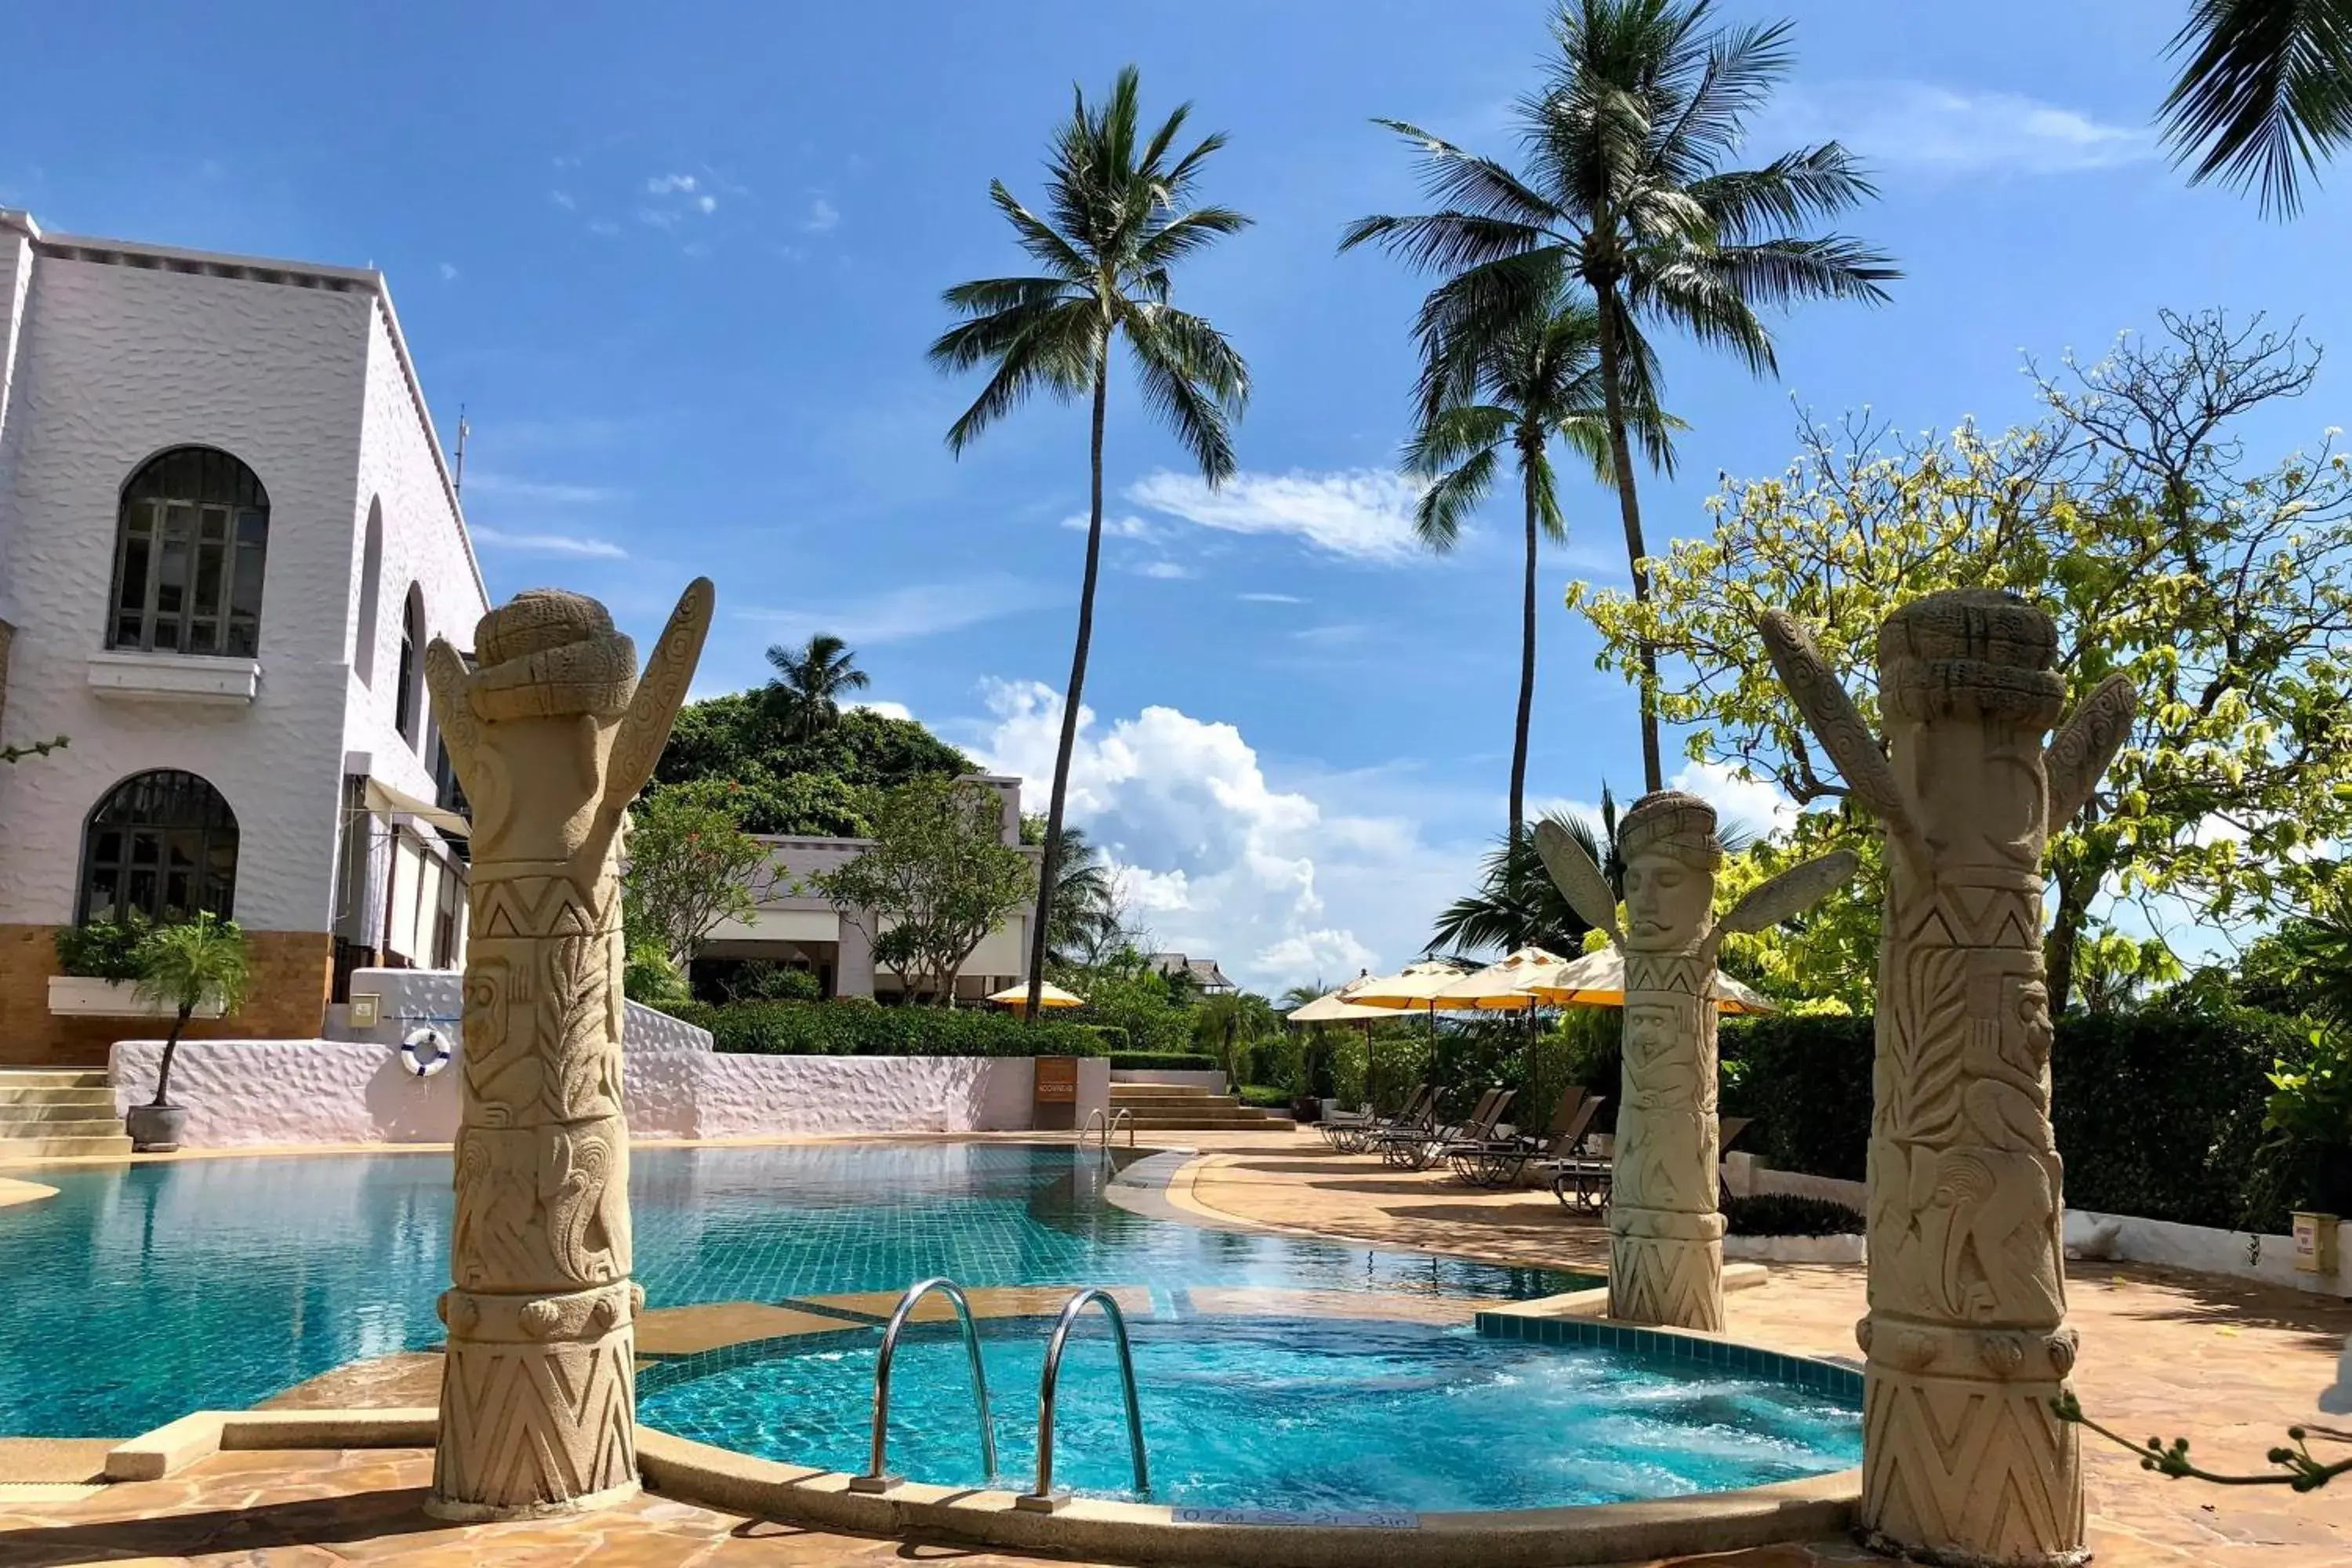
(2158, 1113)
(1265, 1096)
(1784, 1214)
(839, 1029)
(1175, 1061)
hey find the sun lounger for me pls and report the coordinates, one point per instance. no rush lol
(1418, 1154)
(1497, 1162)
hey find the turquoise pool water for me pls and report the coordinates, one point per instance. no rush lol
(141, 1292)
(1348, 1415)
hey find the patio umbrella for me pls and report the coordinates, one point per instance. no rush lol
(1598, 980)
(1048, 995)
(1334, 1006)
(1502, 985)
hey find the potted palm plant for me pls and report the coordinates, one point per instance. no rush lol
(182, 968)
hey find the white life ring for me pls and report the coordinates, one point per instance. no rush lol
(425, 1052)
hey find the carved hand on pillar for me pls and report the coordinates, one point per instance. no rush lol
(552, 735)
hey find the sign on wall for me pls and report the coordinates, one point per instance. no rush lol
(1057, 1080)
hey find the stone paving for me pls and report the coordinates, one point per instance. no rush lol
(2232, 1364)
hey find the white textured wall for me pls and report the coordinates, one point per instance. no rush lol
(423, 543)
(436, 996)
(1207, 1080)
(116, 364)
(244, 1092)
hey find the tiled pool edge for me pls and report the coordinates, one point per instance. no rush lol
(1675, 1347)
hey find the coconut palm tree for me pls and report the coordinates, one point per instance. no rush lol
(810, 682)
(1517, 385)
(1516, 902)
(1086, 919)
(185, 965)
(1118, 216)
(1625, 189)
(2265, 95)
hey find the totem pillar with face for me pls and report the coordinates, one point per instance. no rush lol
(1665, 1230)
(1963, 1460)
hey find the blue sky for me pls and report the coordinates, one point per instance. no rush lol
(681, 264)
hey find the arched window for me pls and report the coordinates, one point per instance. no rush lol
(188, 556)
(371, 585)
(408, 702)
(163, 843)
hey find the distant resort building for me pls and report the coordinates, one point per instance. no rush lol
(798, 929)
(226, 536)
(1203, 974)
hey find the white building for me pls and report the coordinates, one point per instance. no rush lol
(799, 930)
(226, 535)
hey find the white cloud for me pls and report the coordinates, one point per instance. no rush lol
(823, 217)
(883, 710)
(1269, 598)
(670, 184)
(605, 226)
(1167, 570)
(915, 611)
(448, 273)
(1336, 635)
(1365, 515)
(488, 482)
(549, 544)
(1751, 803)
(564, 199)
(1922, 125)
(1127, 526)
(1220, 861)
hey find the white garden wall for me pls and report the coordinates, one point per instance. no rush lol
(408, 997)
(1206, 1079)
(240, 1093)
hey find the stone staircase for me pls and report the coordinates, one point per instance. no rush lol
(1179, 1108)
(46, 1112)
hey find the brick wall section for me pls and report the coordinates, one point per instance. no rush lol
(288, 1000)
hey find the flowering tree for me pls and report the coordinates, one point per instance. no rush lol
(939, 878)
(2129, 512)
(690, 866)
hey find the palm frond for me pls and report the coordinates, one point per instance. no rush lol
(1171, 382)
(1437, 517)
(1793, 189)
(1182, 236)
(1055, 351)
(2264, 96)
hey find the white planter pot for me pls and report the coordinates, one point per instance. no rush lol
(79, 996)
(1796, 1249)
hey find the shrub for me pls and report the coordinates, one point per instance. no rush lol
(834, 1030)
(1166, 1061)
(102, 949)
(1782, 1214)
(1806, 1081)
(1265, 1096)
(648, 976)
(1275, 1062)
(2157, 1111)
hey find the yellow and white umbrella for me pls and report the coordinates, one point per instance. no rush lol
(1502, 985)
(1336, 1006)
(1598, 980)
(1411, 988)
(1048, 995)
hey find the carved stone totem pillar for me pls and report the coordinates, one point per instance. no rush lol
(552, 735)
(1665, 1231)
(1963, 1461)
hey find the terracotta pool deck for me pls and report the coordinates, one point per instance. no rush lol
(2231, 1364)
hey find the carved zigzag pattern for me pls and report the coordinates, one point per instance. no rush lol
(1676, 1284)
(530, 1425)
(1959, 915)
(1973, 1469)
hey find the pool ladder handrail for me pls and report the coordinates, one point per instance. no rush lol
(1043, 1500)
(878, 1478)
(1110, 1125)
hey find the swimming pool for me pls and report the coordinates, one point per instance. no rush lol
(1360, 1416)
(140, 1292)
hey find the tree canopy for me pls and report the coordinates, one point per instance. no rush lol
(2129, 513)
(822, 783)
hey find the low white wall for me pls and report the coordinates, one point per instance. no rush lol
(1207, 1078)
(1763, 1178)
(244, 1092)
(1796, 1249)
(436, 996)
(290, 1091)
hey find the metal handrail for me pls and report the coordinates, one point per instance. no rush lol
(1042, 1498)
(1110, 1126)
(878, 1478)
(1097, 1114)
